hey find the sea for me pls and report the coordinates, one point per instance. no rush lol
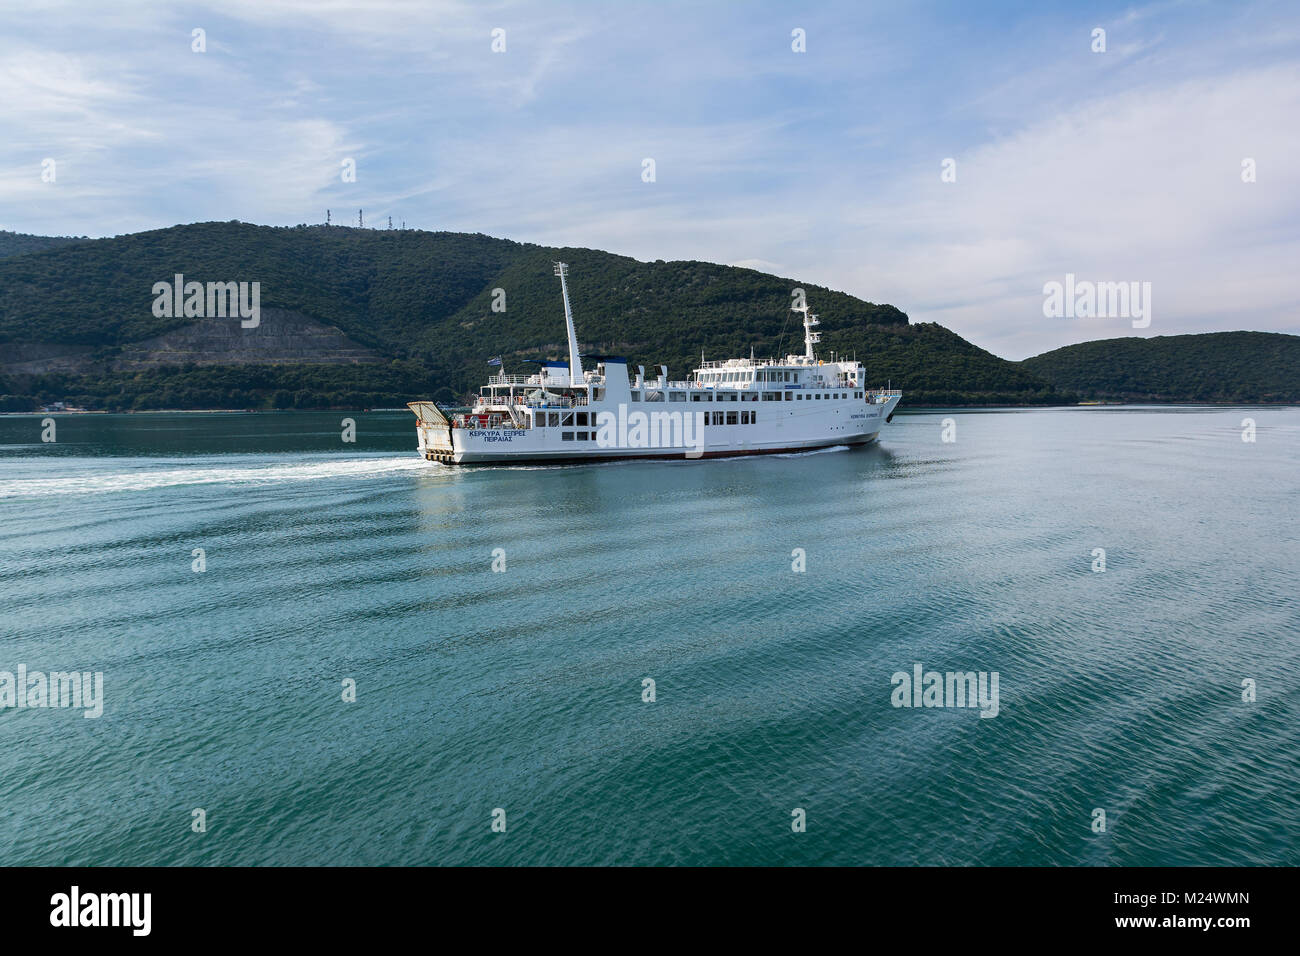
(299, 649)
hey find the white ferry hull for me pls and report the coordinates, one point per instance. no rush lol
(566, 413)
(852, 423)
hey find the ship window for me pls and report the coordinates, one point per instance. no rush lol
(582, 418)
(753, 417)
(717, 418)
(566, 436)
(568, 420)
(636, 396)
(555, 419)
(697, 398)
(788, 396)
(539, 421)
(677, 396)
(731, 418)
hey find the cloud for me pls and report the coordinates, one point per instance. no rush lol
(821, 166)
(1142, 186)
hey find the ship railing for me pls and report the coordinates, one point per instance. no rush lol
(562, 403)
(512, 379)
(490, 420)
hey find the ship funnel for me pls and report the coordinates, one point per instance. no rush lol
(575, 360)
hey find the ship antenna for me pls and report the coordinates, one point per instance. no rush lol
(575, 361)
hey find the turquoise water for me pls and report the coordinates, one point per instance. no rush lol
(522, 689)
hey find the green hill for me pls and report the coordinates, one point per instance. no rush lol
(1212, 367)
(17, 243)
(360, 317)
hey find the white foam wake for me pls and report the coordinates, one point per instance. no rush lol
(83, 482)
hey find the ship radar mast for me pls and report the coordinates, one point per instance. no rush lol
(575, 360)
(810, 338)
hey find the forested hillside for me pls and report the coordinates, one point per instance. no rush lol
(416, 314)
(1211, 367)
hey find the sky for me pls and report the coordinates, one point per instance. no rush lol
(825, 164)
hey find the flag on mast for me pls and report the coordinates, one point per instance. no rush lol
(495, 361)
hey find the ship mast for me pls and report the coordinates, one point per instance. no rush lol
(810, 338)
(575, 361)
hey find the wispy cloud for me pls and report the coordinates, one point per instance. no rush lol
(822, 165)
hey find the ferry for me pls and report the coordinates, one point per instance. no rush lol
(568, 413)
